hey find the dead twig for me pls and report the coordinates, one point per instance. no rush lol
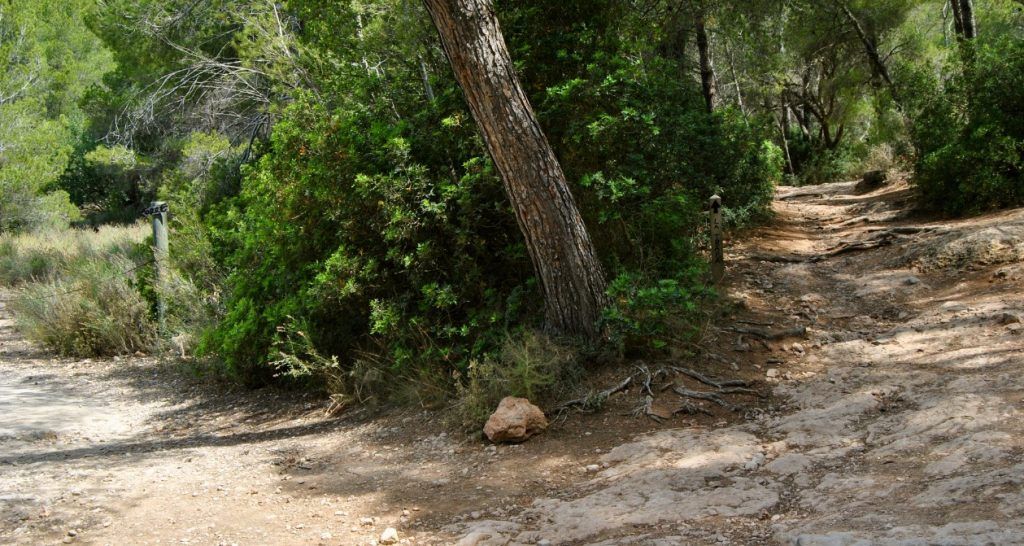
(597, 399)
(646, 409)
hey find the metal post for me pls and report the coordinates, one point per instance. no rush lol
(717, 251)
(158, 210)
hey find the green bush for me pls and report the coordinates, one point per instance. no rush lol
(969, 131)
(381, 227)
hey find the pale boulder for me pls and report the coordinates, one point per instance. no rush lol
(515, 420)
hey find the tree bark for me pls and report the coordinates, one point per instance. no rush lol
(559, 245)
(958, 19)
(735, 79)
(707, 67)
(967, 17)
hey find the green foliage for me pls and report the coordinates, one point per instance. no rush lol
(342, 229)
(48, 60)
(650, 315)
(374, 219)
(969, 131)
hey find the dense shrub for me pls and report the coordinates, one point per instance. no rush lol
(379, 227)
(969, 131)
(340, 227)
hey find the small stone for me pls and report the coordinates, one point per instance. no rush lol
(1009, 318)
(389, 536)
(72, 533)
(911, 281)
(772, 373)
(797, 348)
(366, 521)
(593, 468)
(475, 515)
(755, 461)
(325, 536)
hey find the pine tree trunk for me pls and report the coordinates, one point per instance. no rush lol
(967, 14)
(958, 19)
(707, 67)
(563, 255)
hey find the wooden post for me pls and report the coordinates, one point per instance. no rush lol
(158, 211)
(717, 251)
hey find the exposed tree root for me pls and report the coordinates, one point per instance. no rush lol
(649, 389)
(701, 395)
(595, 400)
(878, 238)
(780, 258)
(799, 331)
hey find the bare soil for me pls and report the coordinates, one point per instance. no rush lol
(895, 419)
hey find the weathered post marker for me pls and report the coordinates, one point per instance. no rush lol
(158, 211)
(717, 252)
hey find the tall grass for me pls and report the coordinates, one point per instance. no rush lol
(50, 255)
(78, 291)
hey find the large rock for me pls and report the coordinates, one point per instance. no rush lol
(871, 181)
(515, 420)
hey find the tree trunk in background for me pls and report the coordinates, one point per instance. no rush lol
(958, 19)
(563, 255)
(870, 49)
(735, 79)
(967, 15)
(707, 68)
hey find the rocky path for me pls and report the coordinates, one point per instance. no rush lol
(896, 420)
(899, 418)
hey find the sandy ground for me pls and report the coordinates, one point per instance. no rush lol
(896, 419)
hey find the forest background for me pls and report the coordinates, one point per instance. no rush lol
(337, 221)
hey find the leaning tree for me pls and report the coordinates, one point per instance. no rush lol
(562, 252)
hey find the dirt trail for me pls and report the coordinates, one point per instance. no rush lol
(897, 419)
